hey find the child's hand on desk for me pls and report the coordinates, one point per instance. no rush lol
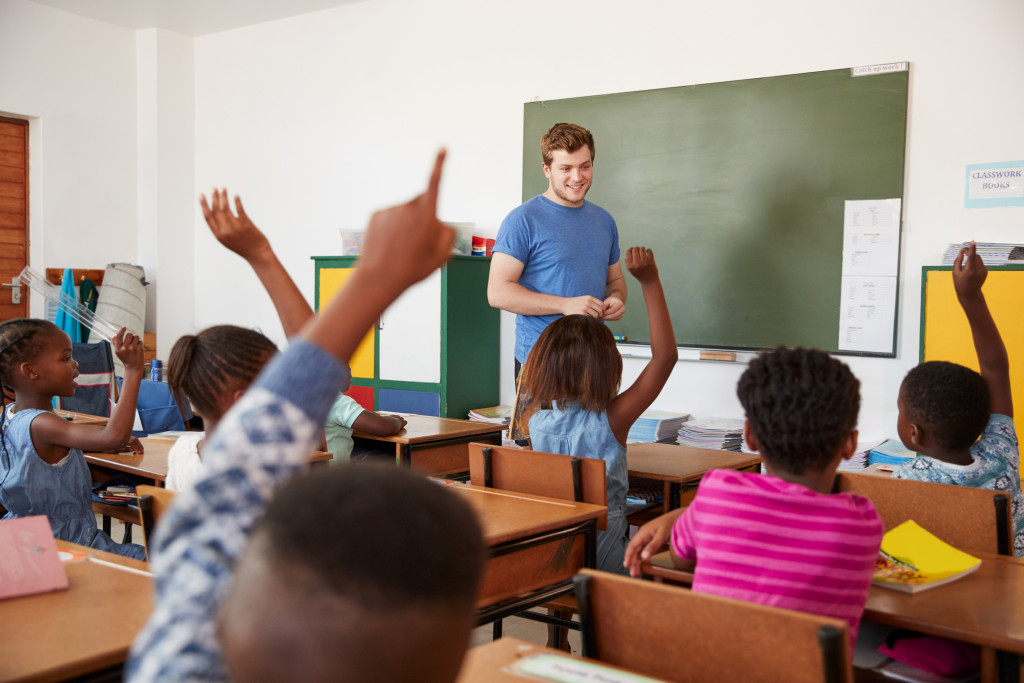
(128, 348)
(969, 272)
(237, 233)
(649, 539)
(407, 242)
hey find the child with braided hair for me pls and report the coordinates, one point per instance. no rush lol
(42, 467)
(783, 538)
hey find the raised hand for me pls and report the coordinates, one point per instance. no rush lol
(969, 272)
(640, 263)
(237, 233)
(128, 348)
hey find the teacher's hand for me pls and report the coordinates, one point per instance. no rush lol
(614, 309)
(589, 306)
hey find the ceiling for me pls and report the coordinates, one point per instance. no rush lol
(190, 17)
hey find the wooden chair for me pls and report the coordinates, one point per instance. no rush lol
(541, 474)
(153, 502)
(675, 634)
(965, 517)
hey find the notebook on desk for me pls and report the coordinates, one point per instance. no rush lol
(29, 561)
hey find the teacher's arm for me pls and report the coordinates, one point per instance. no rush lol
(505, 292)
(614, 293)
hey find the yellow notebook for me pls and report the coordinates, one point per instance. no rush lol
(912, 559)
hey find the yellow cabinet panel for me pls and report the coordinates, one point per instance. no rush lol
(331, 281)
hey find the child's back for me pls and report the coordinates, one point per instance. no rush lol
(944, 407)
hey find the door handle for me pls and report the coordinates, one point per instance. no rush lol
(15, 285)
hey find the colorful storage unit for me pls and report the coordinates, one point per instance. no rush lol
(435, 350)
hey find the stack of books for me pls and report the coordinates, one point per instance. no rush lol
(890, 452)
(656, 425)
(501, 415)
(712, 432)
(991, 253)
(860, 457)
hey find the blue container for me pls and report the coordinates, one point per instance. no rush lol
(156, 370)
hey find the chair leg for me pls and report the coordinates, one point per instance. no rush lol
(496, 630)
(127, 533)
(558, 636)
(106, 524)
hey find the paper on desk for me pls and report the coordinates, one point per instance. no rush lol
(867, 313)
(871, 237)
(552, 667)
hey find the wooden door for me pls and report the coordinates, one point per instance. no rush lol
(13, 214)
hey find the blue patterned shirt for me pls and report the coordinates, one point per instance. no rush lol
(996, 466)
(265, 439)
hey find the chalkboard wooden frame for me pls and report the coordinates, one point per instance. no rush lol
(740, 188)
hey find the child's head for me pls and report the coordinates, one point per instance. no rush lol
(214, 367)
(355, 573)
(27, 340)
(574, 361)
(946, 401)
(801, 406)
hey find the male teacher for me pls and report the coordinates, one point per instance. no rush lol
(558, 254)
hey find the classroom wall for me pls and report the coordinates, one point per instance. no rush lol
(319, 119)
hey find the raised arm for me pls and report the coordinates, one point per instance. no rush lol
(615, 293)
(969, 274)
(505, 292)
(240, 235)
(117, 433)
(628, 405)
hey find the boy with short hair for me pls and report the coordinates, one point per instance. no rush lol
(352, 574)
(945, 408)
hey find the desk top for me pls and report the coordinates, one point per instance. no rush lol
(60, 635)
(507, 516)
(486, 663)
(424, 428)
(681, 464)
(152, 463)
(986, 607)
(84, 418)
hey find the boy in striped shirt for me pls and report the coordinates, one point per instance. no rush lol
(782, 539)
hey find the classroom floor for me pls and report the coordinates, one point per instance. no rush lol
(524, 629)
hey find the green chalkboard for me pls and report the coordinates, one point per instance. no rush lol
(739, 188)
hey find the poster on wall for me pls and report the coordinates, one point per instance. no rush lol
(995, 184)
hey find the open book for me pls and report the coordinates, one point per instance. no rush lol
(912, 559)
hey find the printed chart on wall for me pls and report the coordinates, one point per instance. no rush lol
(772, 204)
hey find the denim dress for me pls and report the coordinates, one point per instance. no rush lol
(570, 430)
(63, 492)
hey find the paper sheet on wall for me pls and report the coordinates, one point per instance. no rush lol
(867, 314)
(871, 237)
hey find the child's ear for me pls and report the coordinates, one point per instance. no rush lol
(28, 371)
(749, 437)
(918, 437)
(849, 445)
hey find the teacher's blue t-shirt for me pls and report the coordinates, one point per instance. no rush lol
(565, 251)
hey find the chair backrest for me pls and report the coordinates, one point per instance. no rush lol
(676, 634)
(157, 409)
(965, 517)
(95, 382)
(153, 502)
(541, 474)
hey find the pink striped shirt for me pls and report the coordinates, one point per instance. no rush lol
(758, 538)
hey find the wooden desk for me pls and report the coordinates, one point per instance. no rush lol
(487, 663)
(434, 445)
(84, 418)
(682, 466)
(85, 630)
(536, 546)
(150, 465)
(985, 607)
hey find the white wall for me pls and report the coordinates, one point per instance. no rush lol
(319, 119)
(75, 80)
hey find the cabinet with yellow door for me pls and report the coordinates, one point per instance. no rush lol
(434, 351)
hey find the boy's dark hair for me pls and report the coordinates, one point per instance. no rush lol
(801, 404)
(218, 360)
(567, 136)
(950, 401)
(21, 339)
(379, 536)
(574, 361)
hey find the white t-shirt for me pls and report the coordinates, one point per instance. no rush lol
(183, 464)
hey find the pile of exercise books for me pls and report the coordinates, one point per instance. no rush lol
(860, 457)
(712, 432)
(501, 415)
(991, 253)
(656, 425)
(890, 452)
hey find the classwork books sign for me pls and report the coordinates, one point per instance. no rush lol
(997, 184)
